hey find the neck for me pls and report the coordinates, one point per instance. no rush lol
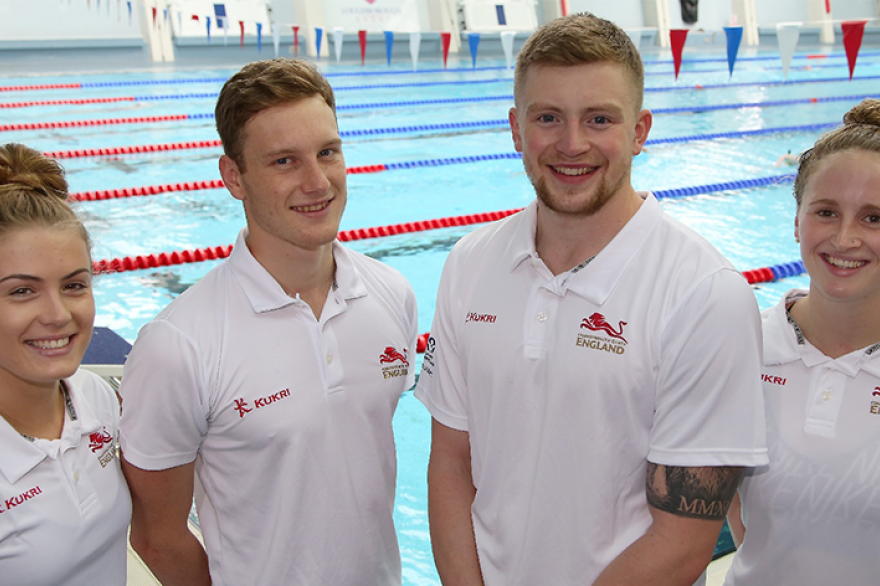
(563, 241)
(306, 273)
(836, 328)
(35, 411)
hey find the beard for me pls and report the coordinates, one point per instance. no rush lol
(578, 206)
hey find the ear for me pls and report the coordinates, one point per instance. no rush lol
(515, 129)
(231, 177)
(644, 120)
(797, 235)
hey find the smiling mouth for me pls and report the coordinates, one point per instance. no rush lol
(844, 264)
(312, 208)
(49, 344)
(573, 171)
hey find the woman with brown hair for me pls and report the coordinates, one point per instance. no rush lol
(64, 505)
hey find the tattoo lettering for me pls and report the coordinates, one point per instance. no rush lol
(698, 493)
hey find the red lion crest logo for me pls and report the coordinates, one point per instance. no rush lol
(98, 439)
(392, 355)
(597, 322)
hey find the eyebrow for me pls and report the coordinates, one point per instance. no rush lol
(36, 279)
(294, 149)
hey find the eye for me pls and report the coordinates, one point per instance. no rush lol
(546, 118)
(326, 153)
(825, 213)
(873, 219)
(21, 291)
(600, 120)
(282, 161)
(76, 286)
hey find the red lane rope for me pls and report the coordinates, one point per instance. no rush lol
(149, 261)
(128, 150)
(44, 86)
(171, 187)
(67, 102)
(74, 123)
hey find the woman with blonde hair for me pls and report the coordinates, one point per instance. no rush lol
(64, 505)
(813, 515)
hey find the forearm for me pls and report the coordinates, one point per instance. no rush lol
(178, 560)
(658, 560)
(451, 493)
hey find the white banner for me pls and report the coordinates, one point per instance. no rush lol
(376, 15)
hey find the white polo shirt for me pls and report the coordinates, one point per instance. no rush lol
(64, 505)
(568, 385)
(288, 418)
(813, 515)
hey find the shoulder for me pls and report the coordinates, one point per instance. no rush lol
(92, 389)
(201, 297)
(490, 241)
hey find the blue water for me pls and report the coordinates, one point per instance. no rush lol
(753, 228)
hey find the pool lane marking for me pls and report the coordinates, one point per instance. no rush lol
(154, 82)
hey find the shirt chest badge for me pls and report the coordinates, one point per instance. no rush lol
(393, 363)
(97, 441)
(606, 338)
(875, 401)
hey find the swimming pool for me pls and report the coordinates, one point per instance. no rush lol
(753, 227)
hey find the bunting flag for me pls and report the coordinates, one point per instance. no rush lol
(507, 46)
(276, 38)
(389, 44)
(445, 38)
(474, 43)
(319, 33)
(241, 40)
(787, 34)
(734, 36)
(155, 24)
(677, 37)
(415, 40)
(338, 33)
(208, 27)
(195, 17)
(853, 30)
(362, 39)
(296, 41)
(129, 12)
(259, 37)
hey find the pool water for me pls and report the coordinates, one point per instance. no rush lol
(752, 227)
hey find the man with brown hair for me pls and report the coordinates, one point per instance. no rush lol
(593, 370)
(265, 381)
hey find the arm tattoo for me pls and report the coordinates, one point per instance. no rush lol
(698, 493)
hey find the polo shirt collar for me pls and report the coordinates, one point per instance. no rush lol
(595, 281)
(782, 344)
(20, 456)
(264, 292)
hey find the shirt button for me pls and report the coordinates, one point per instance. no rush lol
(826, 395)
(329, 359)
(76, 476)
(542, 316)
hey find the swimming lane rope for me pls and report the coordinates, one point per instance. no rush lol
(174, 146)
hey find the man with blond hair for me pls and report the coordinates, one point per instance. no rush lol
(593, 370)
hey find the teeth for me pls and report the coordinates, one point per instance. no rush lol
(844, 264)
(573, 172)
(312, 208)
(50, 344)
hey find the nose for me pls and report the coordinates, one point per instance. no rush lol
(847, 237)
(573, 139)
(314, 179)
(55, 310)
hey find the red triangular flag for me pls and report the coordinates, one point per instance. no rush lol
(445, 38)
(241, 24)
(362, 38)
(677, 37)
(296, 41)
(195, 17)
(852, 41)
(154, 17)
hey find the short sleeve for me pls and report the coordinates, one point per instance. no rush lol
(165, 408)
(709, 404)
(441, 385)
(412, 332)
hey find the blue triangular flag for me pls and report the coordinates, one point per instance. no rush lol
(474, 42)
(389, 43)
(734, 36)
